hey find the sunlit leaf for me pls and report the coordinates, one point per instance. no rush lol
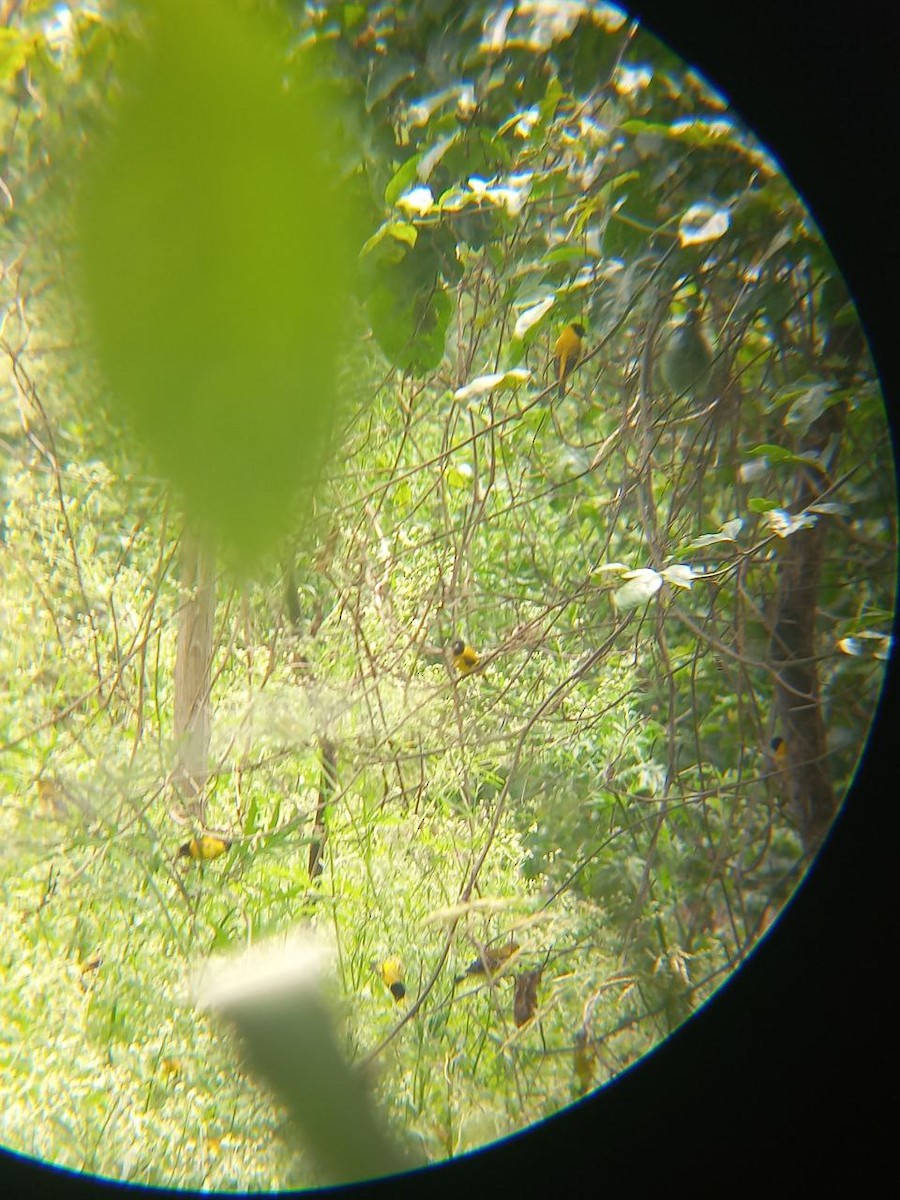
(679, 575)
(531, 316)
(642, 585)
(485, 384)
(866, 643)
(460, 475)
(400, 231)
(419, 201)
(403, 179)
(784, 523)
(703, 223)
(748, 472)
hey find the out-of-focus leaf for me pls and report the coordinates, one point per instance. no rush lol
(761, 504)
(214, 242)
(273, 997)
(773, 453)
(13, 53)
(707, 539)
(703, 223)
(460, 476)
(401, 231)
(748, 472)
(417, 201)
(808, 407)
(402, 180)
(642, 585)
(783, 523)
(531, 316)
(866, 643)
(409, 316)
(679, 575)
(387, 75)
(484, 384)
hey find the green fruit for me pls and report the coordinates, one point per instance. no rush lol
(686, 362)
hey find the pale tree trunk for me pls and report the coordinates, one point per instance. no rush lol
(193, 664)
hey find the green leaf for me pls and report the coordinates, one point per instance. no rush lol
(13, 53)
(401, 231)
(386, 77)
(761, 504)
(708, 539)
(809, 406)
(460, 476)
(775, 454)
(410, 318)
(403, 178)
(214, 241)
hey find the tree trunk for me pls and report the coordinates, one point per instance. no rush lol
(193, 663)
(811, 799)
(327, 784)
(812, 803)
(327, 749)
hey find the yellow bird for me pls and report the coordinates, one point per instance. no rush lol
(779, 751)
(584, 1057)
(489, 961)
(204, 848)
(465, 659)
(52, 797)
(392, 974)
(567, 351)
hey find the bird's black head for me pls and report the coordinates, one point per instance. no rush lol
(579, 329)
(458, 646)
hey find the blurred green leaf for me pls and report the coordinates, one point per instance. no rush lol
(13, 53)
(213, 241)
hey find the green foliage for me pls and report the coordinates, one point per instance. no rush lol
(214, 257)
(601, 790)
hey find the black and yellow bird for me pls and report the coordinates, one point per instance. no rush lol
(779, 751)
(204, 848)
(567, 352)
(490, 961)
(392, 976)
(465, 659)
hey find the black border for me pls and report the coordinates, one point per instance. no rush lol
(784, 1082)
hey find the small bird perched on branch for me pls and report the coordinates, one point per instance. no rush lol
(392, 976)
(489, 961)
(204, 848)
(779, 751)
(465, 659)
(567, 351)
